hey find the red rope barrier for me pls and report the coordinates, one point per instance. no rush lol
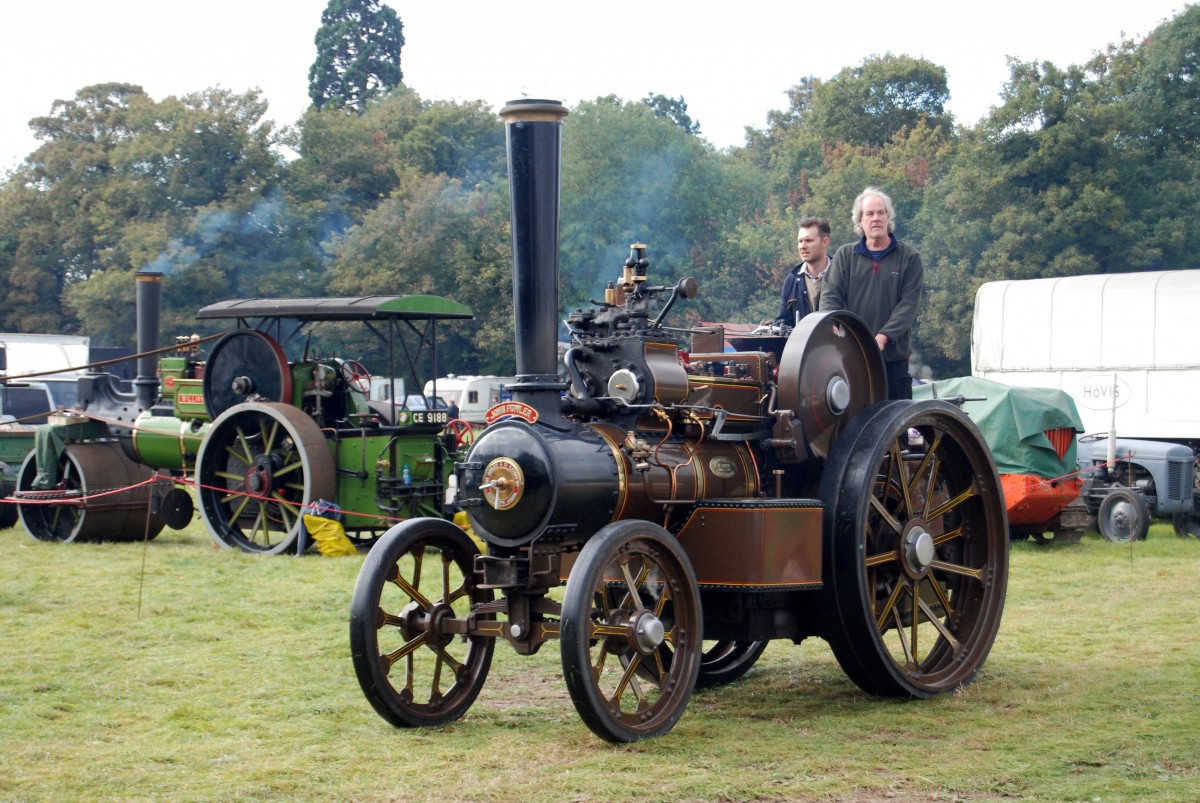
(78, 499)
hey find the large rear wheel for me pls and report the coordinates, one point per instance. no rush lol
(408, 622)
(916, 549)
(723, 662)
(259, 465)
(631, 631)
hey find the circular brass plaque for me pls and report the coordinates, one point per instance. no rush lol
(503, 483)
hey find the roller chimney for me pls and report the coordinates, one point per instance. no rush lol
(149, 305)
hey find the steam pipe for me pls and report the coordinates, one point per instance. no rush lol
(149, 305)
(533, 131)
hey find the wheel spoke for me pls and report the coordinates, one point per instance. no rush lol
(632, 585)
(914, 623)
(948, 536)
(886, 515)
(242, 500)
(943, 599)
(284, 507)
(268, 437)
(406, 650)
(295, 465)
(261, 526)
(244, 455)
(889, 607)
(413, 593)
(927, 468)
(902, 636)
(897, 466)
(967, 493)
(937, 623)
(880, 558)
(629, 681)
(954, 568)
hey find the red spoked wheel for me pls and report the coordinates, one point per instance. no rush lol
(463, 432)
(356, 376)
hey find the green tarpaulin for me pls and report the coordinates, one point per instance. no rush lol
(1014, 422)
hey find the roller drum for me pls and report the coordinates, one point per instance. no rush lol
(94, 500)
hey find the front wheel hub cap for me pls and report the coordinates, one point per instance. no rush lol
(649, 633)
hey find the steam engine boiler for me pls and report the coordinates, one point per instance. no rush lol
(697, 502)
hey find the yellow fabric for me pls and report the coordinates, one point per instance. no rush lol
(464, 524)
(329, 535)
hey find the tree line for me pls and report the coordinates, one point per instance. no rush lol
(1078, 169)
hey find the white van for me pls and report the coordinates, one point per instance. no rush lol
(474, 395)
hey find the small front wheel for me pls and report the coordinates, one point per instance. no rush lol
(408, 619)
(631, 631)
(1124, 516)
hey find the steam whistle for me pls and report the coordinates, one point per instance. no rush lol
(636, 268)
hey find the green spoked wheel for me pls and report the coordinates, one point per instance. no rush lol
(407, 624)
(259, 465)
(916, 545)
(631, 631)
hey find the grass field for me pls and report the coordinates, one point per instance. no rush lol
(176, 671)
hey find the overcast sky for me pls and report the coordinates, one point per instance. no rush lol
(731, 61)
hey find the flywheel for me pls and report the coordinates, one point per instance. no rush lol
(830, 369)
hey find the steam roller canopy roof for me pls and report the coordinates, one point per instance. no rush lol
(417, 307)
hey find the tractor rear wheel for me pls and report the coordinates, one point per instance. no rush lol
(916, 549)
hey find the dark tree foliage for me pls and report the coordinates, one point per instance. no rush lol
(1091, 168)
(358, 54)
(871, 103)
(121, 183)
(673, 109)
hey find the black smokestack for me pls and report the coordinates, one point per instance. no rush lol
(534, 136)
(149, 305)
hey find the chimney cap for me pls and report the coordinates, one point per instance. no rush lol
(533, 110)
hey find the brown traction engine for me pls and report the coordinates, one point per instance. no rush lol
(697, 502)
